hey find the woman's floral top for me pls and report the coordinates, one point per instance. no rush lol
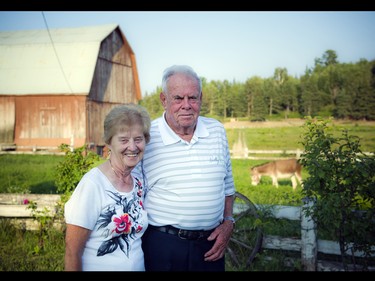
(119, 221)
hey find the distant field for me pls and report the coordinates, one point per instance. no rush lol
(288, 134)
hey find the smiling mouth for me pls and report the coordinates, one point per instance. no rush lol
(131, 155)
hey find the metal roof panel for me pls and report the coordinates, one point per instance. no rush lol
(32, 63)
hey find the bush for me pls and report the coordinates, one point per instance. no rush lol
(342, 186)
(70, 171)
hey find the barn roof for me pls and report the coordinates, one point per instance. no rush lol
(58, 61)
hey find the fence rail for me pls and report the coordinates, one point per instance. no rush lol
(270, 154)
(14, 206)
(260, 154)
(308, 244)
(11, 148)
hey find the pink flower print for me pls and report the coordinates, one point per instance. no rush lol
(139, 228)
(123, 223)
(25, 201)
(139, 183)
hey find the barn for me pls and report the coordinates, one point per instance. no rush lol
(57, 85)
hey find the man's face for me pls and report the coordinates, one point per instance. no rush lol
(182, 103)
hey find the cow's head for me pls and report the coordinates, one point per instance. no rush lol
(255, 176)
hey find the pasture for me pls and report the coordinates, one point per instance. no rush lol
(287, 135)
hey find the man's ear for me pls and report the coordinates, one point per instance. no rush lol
(163, 99)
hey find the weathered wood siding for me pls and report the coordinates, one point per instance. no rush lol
(7, 119)
(113, 79)
(96, 115)
(50, 120)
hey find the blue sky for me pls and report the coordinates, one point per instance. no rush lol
(222, 45)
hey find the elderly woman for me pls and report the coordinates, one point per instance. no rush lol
(105, 217)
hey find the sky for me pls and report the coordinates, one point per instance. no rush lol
(221, 45)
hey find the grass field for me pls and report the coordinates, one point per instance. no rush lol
(24, 173)
(288, 135)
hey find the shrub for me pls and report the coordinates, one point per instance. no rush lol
(342, 186)
(69, 172)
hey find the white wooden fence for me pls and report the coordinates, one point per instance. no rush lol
(270, 154)
(262, 154)
(308, 244)
(14, 206)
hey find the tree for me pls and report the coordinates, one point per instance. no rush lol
(209, 98)
(253, 90)
(329, 58)
(152, 104)
(280, 78)
(269, 95)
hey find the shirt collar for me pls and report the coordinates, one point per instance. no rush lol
(170, 137)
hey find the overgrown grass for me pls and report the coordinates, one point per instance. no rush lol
(20, 249)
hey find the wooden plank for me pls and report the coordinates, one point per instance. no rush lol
(292, 244)
(333, 247)
(281, 243)
(13, 205)
(14, 211)
(18, 199)
(282, 212)
(20, 211)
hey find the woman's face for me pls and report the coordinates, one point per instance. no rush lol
(127, 147)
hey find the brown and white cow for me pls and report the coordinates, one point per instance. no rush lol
(278, 169)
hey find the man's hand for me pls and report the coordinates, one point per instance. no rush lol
(221, 235)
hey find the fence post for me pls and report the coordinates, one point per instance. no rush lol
(298, 154)
(71, 143)
(246, 153)
(309, 245)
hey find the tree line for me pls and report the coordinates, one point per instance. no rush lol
(329, 89)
